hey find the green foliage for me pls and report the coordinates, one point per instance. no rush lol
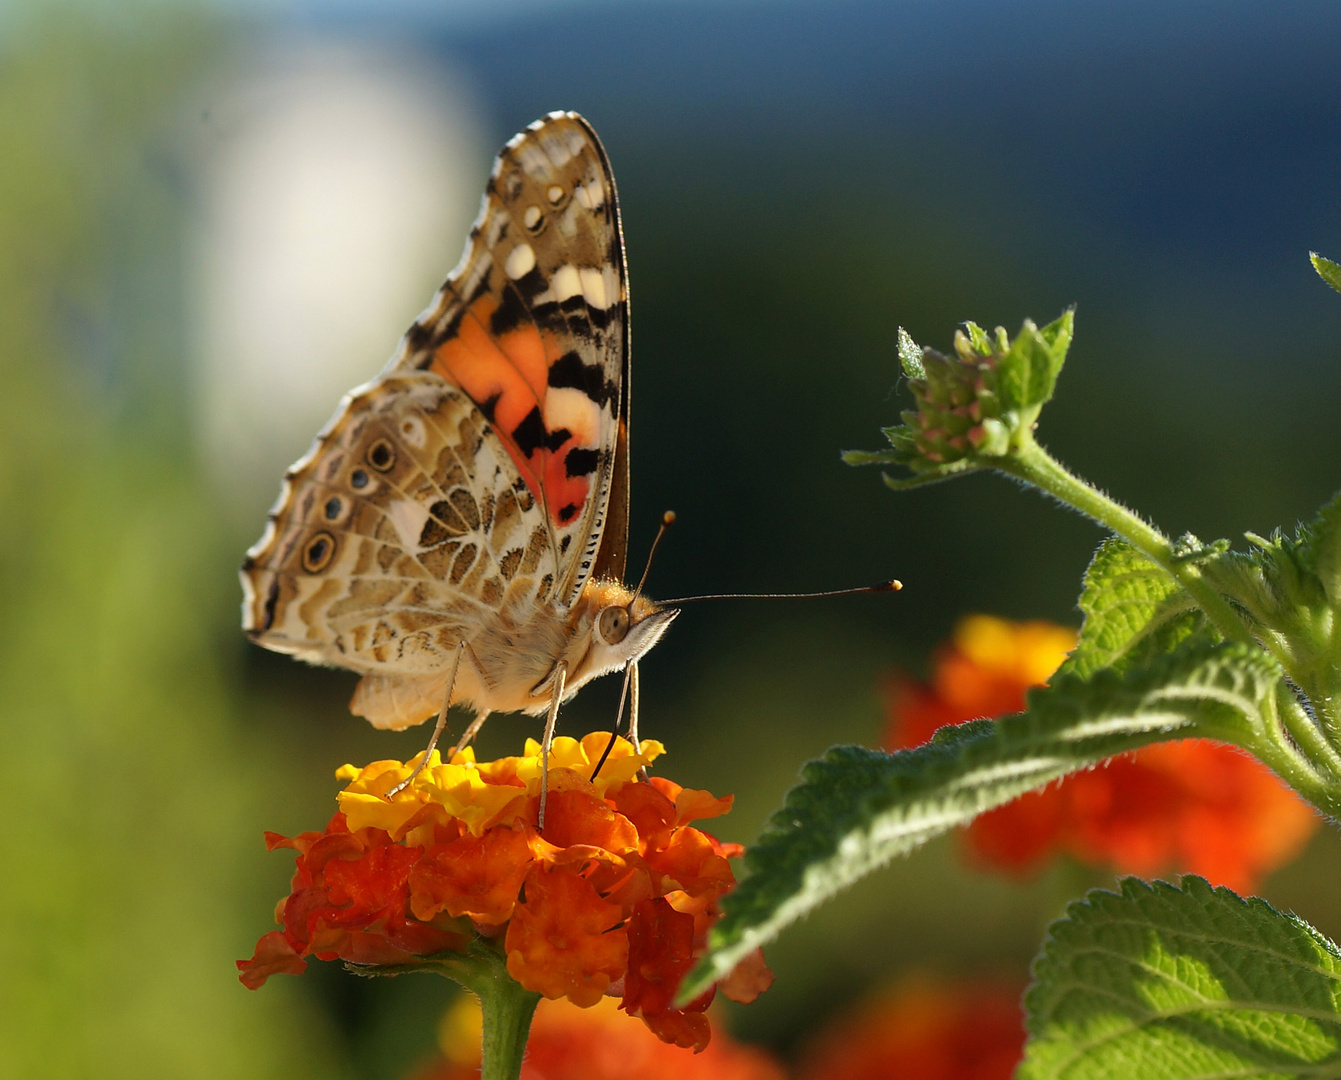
(1179, 639)
(1169, 983)
(127, 877)
(1329, 271)
(974, 407)
(910, 356)
(1134, 612)
(1285, 588)
(855, 809)
(1324, 549)
(1028, 372)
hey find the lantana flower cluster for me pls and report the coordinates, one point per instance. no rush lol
(926, 1028)
(614, 897)
(1192, 806)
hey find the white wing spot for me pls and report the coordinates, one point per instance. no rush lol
(408, 517)
(267, 537)
(520, 261)
(577, 141)
(531, 218)
(565, 283)
(567, 407)
(594, 287)
(590, 196)
(555, 193)
(533, 160)
(248, 602)
(412, 431)
(555, 148)
(493, 228)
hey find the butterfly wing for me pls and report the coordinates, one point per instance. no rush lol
(533, 326)
(484, 473)
(406, 528)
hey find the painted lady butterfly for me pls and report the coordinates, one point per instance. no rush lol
(457, 533)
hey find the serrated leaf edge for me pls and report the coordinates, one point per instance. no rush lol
(1199, 669)
(1190, 886)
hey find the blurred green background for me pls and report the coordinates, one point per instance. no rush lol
(216, 218)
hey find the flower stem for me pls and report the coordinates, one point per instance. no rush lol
(1294, 749)
(1036, 466)
(507, 1007)
(1287, 739)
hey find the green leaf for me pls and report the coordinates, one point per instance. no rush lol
(1168, 983)
(927, 476)
(951, 734)
(1329, 271)
(869, 457)
(1058, 335)
(979, 342)
(1028, 373)
(856, 809)
(1286, 589)
(1133, 610)
(910, 356)
(1324, 548)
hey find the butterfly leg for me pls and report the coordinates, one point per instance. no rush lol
(633, 707)
(556, 696)
(439, 727)
(633, 715)
(472, 731)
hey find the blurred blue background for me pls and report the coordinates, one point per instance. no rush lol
(214, 219)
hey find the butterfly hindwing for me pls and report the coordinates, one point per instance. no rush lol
(406, 528)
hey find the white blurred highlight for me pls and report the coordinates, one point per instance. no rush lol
(336, 196)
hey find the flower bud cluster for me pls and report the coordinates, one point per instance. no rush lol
(958, 408)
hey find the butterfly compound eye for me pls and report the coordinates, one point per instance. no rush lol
(614, 624)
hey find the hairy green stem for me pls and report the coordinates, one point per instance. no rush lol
(1313, 772)
(1307, 734)
(1328, 714)
(1035, 466)
(508, 1009)
(507, 1006)
(1290, 742)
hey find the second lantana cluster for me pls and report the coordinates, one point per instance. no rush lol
(1191, 806)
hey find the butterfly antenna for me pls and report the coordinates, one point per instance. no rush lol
(879, 587)
(667, 520)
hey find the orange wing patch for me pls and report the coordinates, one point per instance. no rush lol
(551, 434)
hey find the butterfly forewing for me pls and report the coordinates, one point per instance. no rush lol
(533, 326)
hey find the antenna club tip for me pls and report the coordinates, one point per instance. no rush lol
(668, 518)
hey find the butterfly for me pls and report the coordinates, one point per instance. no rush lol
(458, 531)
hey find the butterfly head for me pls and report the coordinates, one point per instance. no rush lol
(624, 626)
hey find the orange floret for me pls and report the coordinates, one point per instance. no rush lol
(924, 1029)
(559, 940)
